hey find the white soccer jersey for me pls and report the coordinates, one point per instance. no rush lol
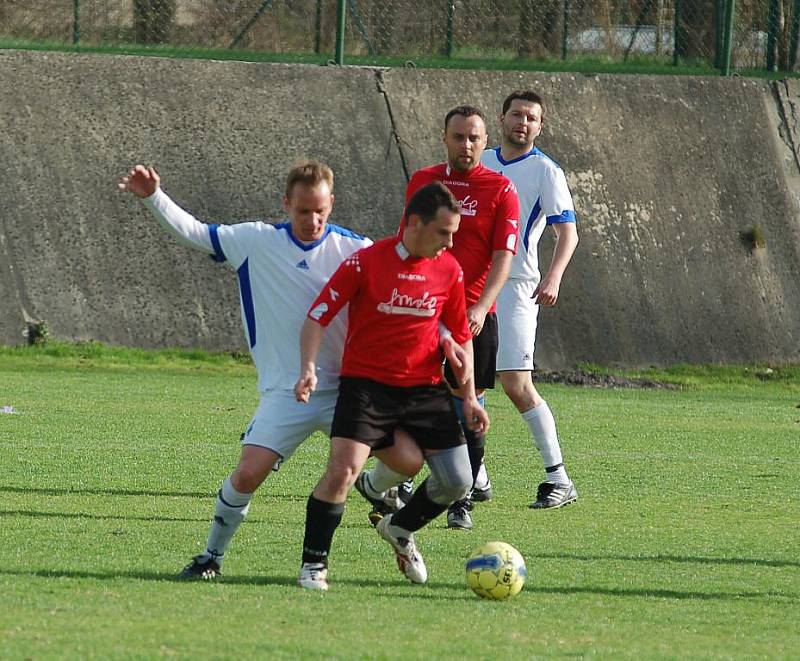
(544, 199)
(279, 278)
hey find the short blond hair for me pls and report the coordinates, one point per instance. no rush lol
(309, 173)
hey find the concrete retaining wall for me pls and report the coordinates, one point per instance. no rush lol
(667, 174)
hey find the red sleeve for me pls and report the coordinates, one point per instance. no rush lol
(341, 287)
(506, 220)
(454, 310)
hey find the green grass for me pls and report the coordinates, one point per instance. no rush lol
(683, 543)
(465, 58)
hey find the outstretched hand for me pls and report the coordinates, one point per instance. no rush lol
(141, 181)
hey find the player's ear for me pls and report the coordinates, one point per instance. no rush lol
(333, 199)
(286, 204)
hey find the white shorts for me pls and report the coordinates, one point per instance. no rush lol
(281, 423)
(516, 326)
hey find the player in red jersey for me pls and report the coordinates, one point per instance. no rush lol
(398, 291)
(484, 246)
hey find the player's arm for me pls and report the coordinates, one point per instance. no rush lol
(144, 183)
(559, 208)
(310, 340)
(566, 242)
(336, 293)
(495, 279)
(476, 416)
(460, 361)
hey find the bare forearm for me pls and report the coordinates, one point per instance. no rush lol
(496, 278)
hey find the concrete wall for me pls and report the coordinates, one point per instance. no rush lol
(667, 173)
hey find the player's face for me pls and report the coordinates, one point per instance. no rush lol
(522, 123)
(437, 236)
(308, 208)
(465, 140)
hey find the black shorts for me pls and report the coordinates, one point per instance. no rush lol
(369, 412)
(484, 349)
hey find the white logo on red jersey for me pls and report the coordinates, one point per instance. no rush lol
(411, 276)
(318, 311)
(334, 294)
(468, 207)
(404, 304)
(353, 261)
(511, 242)
(514, 223)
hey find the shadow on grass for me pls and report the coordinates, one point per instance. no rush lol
(46, 491)
(399, 589)
(98, 517)
(702, 560)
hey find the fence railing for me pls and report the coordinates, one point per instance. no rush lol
(721, 34)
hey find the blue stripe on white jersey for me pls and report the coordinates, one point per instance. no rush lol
(248, 308)
(219, 255)
(535, 212)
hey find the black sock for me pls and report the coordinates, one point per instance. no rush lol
(322, 519)
(419, 510)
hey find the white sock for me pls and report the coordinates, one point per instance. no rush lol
(230, 510)
(482, 480)
(382, 478)
(543, 428)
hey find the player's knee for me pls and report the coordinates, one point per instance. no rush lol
(451, 475)
(520, 391)
(248, 477)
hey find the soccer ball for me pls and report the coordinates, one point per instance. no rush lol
(496, 570)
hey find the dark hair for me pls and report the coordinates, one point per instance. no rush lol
(465, 111)
(427, 201)
(524, 95)
(308, 173)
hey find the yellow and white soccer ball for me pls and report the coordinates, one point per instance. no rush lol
(496, 570)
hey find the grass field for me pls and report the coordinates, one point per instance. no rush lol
(684, 542)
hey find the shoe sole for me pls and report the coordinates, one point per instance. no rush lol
(375, 516)
(318, 588)
(553, 507)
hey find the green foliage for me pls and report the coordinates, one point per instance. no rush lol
(754, 238)
(684, 536)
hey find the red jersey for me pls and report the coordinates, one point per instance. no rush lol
(396, 303)
(489, 209)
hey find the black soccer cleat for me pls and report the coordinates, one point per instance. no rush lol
(552, 495)
(200, 569)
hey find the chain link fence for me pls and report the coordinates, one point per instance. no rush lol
(742, 34)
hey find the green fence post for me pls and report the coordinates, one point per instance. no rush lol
(318, 27)
(341, 15)
(451, 14)
(772, 35)
(76, 21)
(730, 9)
(676, 31)
(794, 35)
(719, 23)
(565, 30)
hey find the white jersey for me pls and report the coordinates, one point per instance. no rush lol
(279, 279)
(544, 199)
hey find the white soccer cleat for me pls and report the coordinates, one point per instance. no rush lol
(409, 559)
(313, 576)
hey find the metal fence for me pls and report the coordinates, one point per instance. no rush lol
(741, 34)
